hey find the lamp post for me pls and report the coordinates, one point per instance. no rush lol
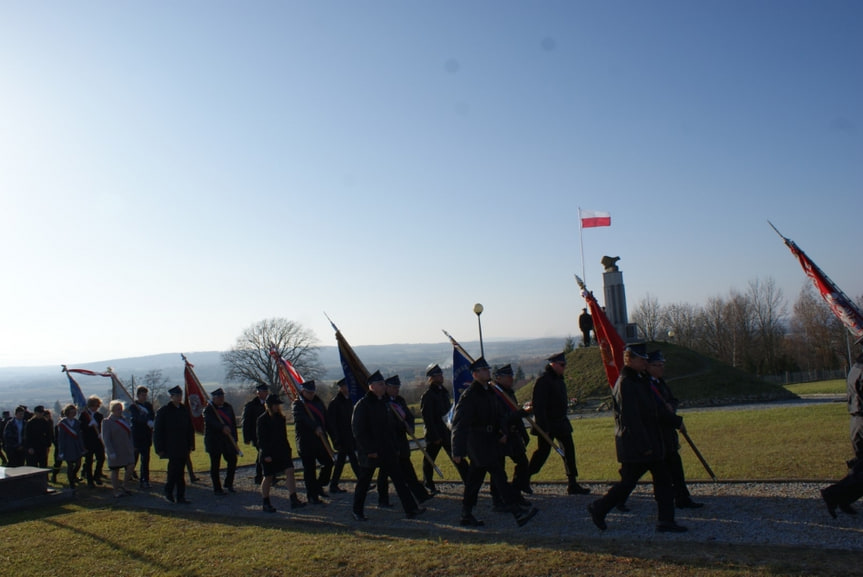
(477, 309)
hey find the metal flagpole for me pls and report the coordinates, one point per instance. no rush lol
(477, 309)
(581, 243)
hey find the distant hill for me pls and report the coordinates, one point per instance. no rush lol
(696, 380)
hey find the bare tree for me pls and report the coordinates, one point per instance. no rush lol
(681, 320)
(817, 339)
(648, 316)
(157, 383)
(768, 311)
(250, 362)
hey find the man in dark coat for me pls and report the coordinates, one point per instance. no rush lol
(549, 406)
(638, 439)
(38, 438)
(373, 425)
(516, 435)
(220, 440)
(13, 438)
(478, 432)
(339, 414)
(142, 414)
(310, 422)
(435, 404)
(174, 439)
(91, 430)
(840, 495)
(585, 324)
(251, 411)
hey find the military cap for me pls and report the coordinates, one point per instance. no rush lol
(655, 357)
(557, 358)
(309, 385)
(175, 391)
(503, 371)
(479, 364)
(394, 381)
(434, 370)
(273, 399)
(218, 393)
(637, 349)
(375, 377)
(262, 387)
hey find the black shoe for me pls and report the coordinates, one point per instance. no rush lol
(92, 484)
(220, 493)
(522, 502)
(359, 517)
(597, 517)
(576, 489)
(193, 479)
(231, 489)
(523, 517)
(322, 493)
(670, 528)
(416, 513)
(258, 480)
(385, 505)
(527, 489)
(499, 508)
(430, 487)
(689, 504)
(183, 501)
(424, 497)
(267, 508)
(144, 485)
(848, 509)
(336, 489)
(170, 498)
(296, 503)
(623, 508)
(831, 506)
(470, 521)
(315, 500)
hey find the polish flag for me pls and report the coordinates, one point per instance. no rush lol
(593, 218)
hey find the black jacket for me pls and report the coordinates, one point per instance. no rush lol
(308, 417)
(251, 411)
(91, 428)
(478, 425)
(339, 423)
(638, 419)
(434, 406)
(215, 439)
(142, 415)
(550, 404)
(374, 430)
(173, 433)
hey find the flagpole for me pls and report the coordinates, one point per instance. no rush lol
(190, 368)
(581, 242)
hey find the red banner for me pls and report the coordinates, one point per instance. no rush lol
(196, 397)
(610, 343)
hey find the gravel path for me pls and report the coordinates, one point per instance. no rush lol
(786, 514)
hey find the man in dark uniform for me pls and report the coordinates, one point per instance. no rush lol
(663, 394)
(251, 411)
(220, 438)
(310, 422)
(435, 405)
(516, 435)
(38, 437)
(405, 423)
(638, 440)
(478, 432)
(173, 438)
(13, 438)
(91, 431)
(373, 425)
(585, 324)
(850, 488)
(549, 406)
(339, 414)
(142, 415)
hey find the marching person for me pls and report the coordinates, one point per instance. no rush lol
(91, 426)
(435, 405)
(220, 438)
(142, 415)
(251, 411)
(275, 455)
(516, 435)
(638, 440)
(117, 436)
(38, 437)
(174, 439)
(478, 432)
(373, 425)
(549, 407)
(70, 443)
(850, 488)
(339, 414)
(310, 423)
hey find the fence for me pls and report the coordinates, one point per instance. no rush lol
(789, 378)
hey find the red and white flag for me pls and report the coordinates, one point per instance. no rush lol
(594, 218)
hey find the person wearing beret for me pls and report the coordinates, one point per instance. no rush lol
(310, 423)
(220, 437)
(275, 452)
(516, 435)
(639, 419)
(549, 405)
(339, 422)
(251, 411)
(479, 432)
(174, 439)
(373, 424)
(435, 405)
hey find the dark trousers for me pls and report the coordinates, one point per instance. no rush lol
(97, 455)
(433, 450)
(39, 458)
(520, 478)
(678, 479)
(216, 464)
(537, 460)
(849, 489)
(475, 479)
(143, 453)
(390, 466)
(313, 480)
(175, 478)
(339, 465)
(630, 473)
(72, 468)
(17, 457)
(416, 487)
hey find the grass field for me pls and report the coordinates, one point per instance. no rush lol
(89, 536)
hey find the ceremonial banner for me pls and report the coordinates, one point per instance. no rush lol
(77, 396)
(461, 376)
(356, 373)
(119, 392)
(196, 397)
(610, 343)
(842, 306)
(288, 375)
(594, 218)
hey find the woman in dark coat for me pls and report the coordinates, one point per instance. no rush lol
(274, 452)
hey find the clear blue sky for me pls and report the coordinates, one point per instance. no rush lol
(171, 173)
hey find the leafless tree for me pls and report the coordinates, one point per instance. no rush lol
(157, 383)
(817, 339)
(768, 310)
(681, 322)
(250, 362)
(648, 316)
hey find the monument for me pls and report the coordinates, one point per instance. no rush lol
(615, 299)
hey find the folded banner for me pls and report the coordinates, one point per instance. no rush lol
(610, 343)
(594, 218)
(196, 396)
(356, 373)
(77, 396)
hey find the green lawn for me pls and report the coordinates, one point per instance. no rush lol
(835, 386)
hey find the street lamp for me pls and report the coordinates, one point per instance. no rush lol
(477, 309)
